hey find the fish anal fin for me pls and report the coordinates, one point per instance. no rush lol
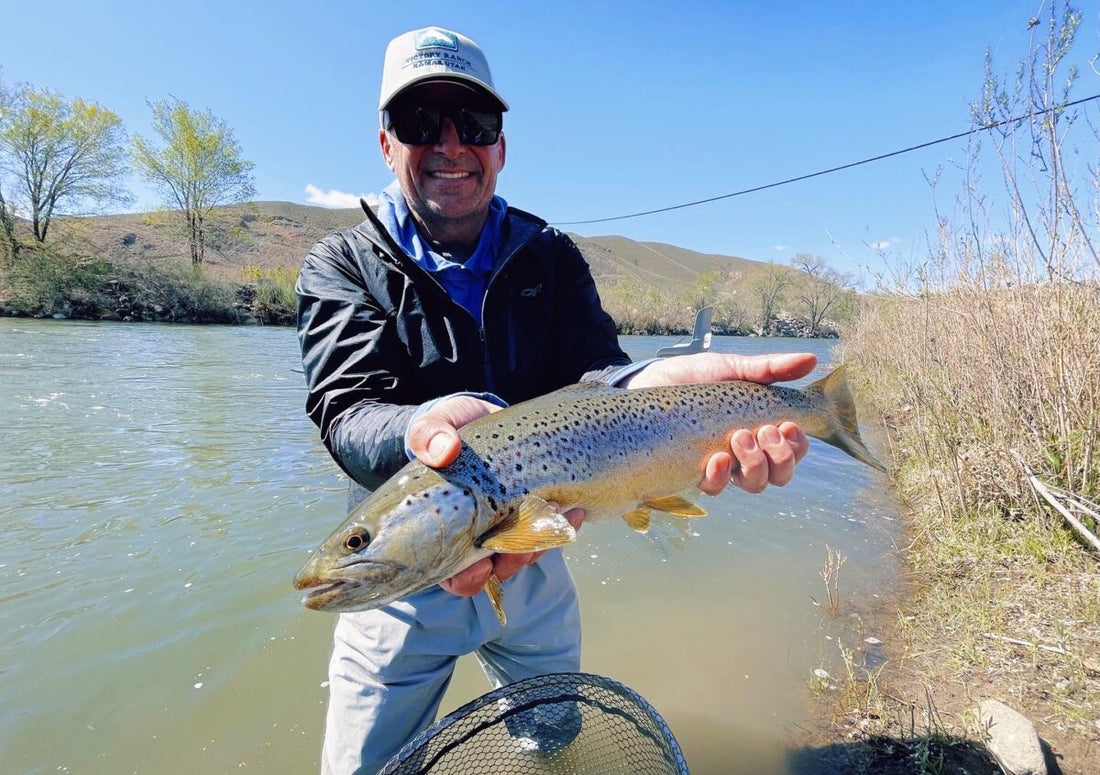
(638, 519)
(676, 505)
(533, 527)
(495, 590)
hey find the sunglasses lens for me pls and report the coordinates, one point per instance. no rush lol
(477, 127)
(419, 125)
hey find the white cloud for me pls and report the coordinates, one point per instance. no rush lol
(780, 247)
(334, 198)
(881, 244)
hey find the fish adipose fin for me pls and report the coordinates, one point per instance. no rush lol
(842, 430)
(532, 528)
(495, 590)
(676, 505)
(638, 519)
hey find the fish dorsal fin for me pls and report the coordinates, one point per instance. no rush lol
(676, 505)
(638, 519)
(495, 590)
(532, 528)
(593, 387)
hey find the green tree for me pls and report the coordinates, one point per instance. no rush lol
(9, 246)
(197, 166)
(63, 155)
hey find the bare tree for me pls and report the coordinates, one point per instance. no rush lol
(62, 154)
(768, 286)
(197, 166)
(1045, 207)
(819, 288)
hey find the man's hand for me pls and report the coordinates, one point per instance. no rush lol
(766, 457)
(433, 438)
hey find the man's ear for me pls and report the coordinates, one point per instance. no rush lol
(500, 162)
(387, 148)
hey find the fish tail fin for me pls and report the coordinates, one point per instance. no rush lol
(842, 430)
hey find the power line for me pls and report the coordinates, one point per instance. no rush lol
(880, 157)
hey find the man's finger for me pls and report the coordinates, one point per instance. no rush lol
(780, 454)
(717, 473)
(468, 582)
(722, 367)
(507, 565)
(752, 464)
(433, 437)
(798, 441)
(434, 441)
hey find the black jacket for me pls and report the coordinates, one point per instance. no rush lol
(379, 335)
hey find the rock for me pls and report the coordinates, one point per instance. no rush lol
(1011, 738)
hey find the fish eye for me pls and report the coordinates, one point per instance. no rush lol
(357, 539)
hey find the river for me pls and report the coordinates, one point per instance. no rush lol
(160, 485)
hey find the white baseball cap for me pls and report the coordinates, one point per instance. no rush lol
(434, 54)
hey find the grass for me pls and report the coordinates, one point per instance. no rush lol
(982, 355)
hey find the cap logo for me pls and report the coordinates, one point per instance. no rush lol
(433, 37)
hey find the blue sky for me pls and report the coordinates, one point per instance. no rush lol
(616, 107)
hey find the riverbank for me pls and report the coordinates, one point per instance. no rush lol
(974, 384)
(49, 282)
(60, 285)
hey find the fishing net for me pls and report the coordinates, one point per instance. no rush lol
(557, 724)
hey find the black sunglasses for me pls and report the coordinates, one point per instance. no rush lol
(416, 124)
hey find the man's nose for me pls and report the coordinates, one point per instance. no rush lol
(449, 143)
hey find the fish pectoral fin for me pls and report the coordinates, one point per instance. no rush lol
(676, 505)
(638, 519)
(532, 528)
(495, 590)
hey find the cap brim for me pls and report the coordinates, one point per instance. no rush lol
(456, 78)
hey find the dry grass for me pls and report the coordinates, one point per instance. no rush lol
(980, 357)
(990, 357)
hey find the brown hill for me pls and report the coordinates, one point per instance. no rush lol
(278, 234)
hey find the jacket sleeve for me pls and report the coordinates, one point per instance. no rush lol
(589, 338)
(350, 365)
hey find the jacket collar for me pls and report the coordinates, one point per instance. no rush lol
(520, 228)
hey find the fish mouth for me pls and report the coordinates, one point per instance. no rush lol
(318, 596)
(358, 592)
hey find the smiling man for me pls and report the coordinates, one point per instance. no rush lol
(444, 306)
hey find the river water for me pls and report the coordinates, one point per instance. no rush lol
(160, 485)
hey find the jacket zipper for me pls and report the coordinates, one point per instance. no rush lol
(397, 250)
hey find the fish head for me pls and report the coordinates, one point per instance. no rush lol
(411, 533)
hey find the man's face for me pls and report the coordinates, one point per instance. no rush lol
(447, 184)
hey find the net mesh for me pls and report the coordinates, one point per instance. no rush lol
(557, 724)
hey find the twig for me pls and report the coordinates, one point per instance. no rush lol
(1029, 644)
(1042, 490)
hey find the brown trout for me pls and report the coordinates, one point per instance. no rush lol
(612, 451)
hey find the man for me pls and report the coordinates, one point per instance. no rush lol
(435, 312)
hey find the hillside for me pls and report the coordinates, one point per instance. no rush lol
(278, 234)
